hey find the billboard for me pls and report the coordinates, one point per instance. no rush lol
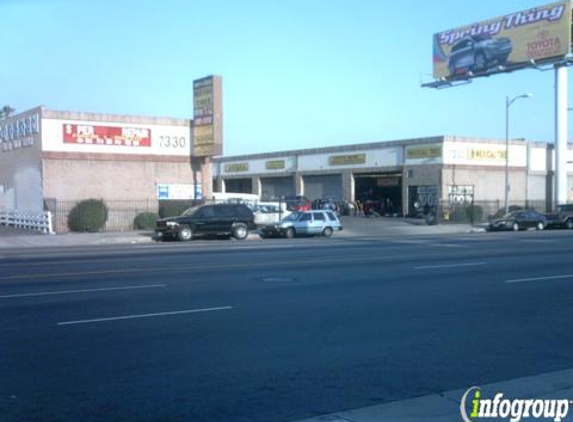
(535, 36)
(207, 116)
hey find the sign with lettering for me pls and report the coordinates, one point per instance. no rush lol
(275, 165)
(346, 160)
(207, 116)
(236, 167)
(106, 135)
(18, 133)
(423, 151)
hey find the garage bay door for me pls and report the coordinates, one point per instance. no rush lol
(276, 187)
(325, 186)
(239, 185)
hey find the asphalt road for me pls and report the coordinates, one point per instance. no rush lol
(277, 330)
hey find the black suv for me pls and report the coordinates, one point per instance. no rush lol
(218, 219)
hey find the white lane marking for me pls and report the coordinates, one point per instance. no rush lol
(469, 264)
(67, 292)
(551, 277)
(119, 318)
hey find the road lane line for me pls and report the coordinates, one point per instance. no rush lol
(119, 318)
(551, 277)
(469, 264)
(66, 292)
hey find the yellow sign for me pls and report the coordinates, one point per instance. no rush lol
(275, 165)
(207, 116)
(509, 42)
(204, 135)
(236, 167)
(486, 154)
(423, 151)
(346, 160)
(478, 154)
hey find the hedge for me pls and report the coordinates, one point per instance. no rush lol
(89, 215)
(145, 221)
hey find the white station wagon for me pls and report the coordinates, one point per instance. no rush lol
(305, 223)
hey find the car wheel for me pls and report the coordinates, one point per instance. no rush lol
(540, 226)
(515, 227)
(289, 233)
(185, 234)
(480, 61)
(327, 232)
(569, 224)
(240, 231)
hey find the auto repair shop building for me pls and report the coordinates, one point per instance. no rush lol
(47, 157)
(405, 174)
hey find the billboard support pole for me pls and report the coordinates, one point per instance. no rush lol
(561, 131)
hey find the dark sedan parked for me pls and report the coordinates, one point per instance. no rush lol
(519, 220)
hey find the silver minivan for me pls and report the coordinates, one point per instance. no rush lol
(305, 223)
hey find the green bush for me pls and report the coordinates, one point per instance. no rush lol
(89, 215)
(145, 221)
(173, 207)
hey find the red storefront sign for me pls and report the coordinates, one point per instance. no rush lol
(106, 135)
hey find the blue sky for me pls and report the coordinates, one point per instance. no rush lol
(296, 73)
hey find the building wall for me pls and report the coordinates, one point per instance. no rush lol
(69, 178)
(488, 182)
(118, 157)
(20, 162)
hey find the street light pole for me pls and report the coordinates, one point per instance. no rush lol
(508, 103)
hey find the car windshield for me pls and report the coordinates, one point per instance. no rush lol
(190, 211)
(481, 37)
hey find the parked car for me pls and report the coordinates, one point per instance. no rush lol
(562, 218)
(304, 223)
(297, 203)
(267, 213)
(478, 53)
(217, 219)
(519, 220)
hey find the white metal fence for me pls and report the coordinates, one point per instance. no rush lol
(41, 221)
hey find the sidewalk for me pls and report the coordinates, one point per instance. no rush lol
(353, 227)
(445, 407)
(73, 239)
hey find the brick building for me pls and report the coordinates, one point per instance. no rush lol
(49, 157)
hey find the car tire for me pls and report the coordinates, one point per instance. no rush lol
(540, 226)
(480, 62)
(569, 223)
(185, 234)
(515, 227)
(289, 233)
(327, 232)
(240, 231)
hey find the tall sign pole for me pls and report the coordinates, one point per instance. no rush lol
(207, 126)
(561, 131)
